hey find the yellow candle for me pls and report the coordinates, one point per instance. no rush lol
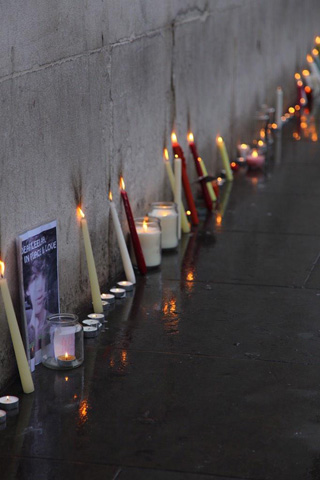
(209, 185)
(21, 357)
(95, 289)
(225, 158)
(184, 221)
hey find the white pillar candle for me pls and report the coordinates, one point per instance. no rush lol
(279, 107)
(94, 283)
(126, 261)
(177, 190)
(21, 357)
(149, 234)
(167, 213)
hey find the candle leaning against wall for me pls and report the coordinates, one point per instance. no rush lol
(209, 184)
(184, 221)
(177, 189)
(126, 261)
(93, 277)
(194, 151)
(279, 107)
(225, 158)
(21, 357)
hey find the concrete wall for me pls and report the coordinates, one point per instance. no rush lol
(91, 89)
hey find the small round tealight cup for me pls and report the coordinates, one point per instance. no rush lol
(128, 286)
(3, 416)
(9, 402)
(90, 332)
(89, 322)
(108, 297)
(97, 316)
(118, 292)
(105, 305)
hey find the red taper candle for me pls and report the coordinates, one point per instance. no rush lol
(177, 150)
(200, 172)
(134, 236)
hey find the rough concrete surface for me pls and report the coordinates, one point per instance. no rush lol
(91, 90)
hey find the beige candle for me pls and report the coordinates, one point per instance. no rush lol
(225, 158)
(209, 185)
(94, 284)
(21, 357)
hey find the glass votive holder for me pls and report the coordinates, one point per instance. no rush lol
(62, 346)
(149, 233)
(167, 213)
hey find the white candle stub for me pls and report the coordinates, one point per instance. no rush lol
(9, 402)
(118, 292)
(97, 316)
(106, 305)
(90, 332)
(89, 322)
(3, 416)
(108, 297)
(128, 286)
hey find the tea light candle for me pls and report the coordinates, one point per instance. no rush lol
(243, 150)
(108, 297)
(97, 316)
(225, 158)
(88, 322)
(66, 360)
(118, 292)
(255, 160)
(105, 305)
(9, 402)
(3, 416)
(126, 285)
(90, 332)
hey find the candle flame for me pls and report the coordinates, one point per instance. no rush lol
(305, 73)
(218, 219)
(233, 164)
(8, 398)
(176, 155)
(174, 139)
(297, 107)
(299, 83)
(260, 143)
(255, 154)
(145, 225)
(110, 196)
(317, 40)
(314, 137)
(166, 154)
(220, 140)
(190, 137)
(66, 355)
(302, 101)
(297, 76)
(309, 58)
(2, 268)
(315, 52)
(244, 145)
(199, 159)
(122, 184)
(188, 212)
(307, 89)
(80, 212)
(262, 133)
(291, 110)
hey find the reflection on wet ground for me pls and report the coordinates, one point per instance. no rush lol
(210, 368)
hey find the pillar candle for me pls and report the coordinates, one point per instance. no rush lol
(177, 150)
(133, 232)
(177, 189)
(279, 107)
(209, 184)
(225, 158)
(150, 239)
(20, 354)
(184, 221)
(93, 277)
(126, 261)
(197, 162)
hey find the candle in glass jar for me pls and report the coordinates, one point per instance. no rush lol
(66, 360)
(167, 213)
(255, 160)
(243, 150)
(149, 233)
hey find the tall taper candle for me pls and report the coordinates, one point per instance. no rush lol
(197, 163)
(126, 261)
(93, 277)
(225, 158)
(177, 189)
(21, 357)
(279, 107)
(184, 221)
(209, 184)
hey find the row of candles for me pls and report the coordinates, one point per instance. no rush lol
(163, 226)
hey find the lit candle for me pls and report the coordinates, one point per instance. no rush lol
(66, 360)
(126, 261)
(97, 316)
(108, 297)
(299, 90)
(89, 322)
(149, 232)
(262, 147)
(118, 292)
(3, 416)
(177, 150)
(307, 78)
(314, 69)
(167, 213)
(134, 236)
(279, 107)
(255, 160)
(209, 184)
(197, 162)
(225, 158)
(20, 354)
(243, 150)
(90, 332)
(93, 277)
(184, 221)
(128, 286)
(9, 402)
(177, 189)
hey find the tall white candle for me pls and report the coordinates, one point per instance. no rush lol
(21, 357)
(177, 189)
(94, 283)
(279, 107)
(126, 261)
(150, 240)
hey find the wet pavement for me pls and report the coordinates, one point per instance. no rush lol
(211, 369)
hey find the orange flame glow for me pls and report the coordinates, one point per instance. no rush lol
(297, 107)
(174, 139)
(274, 126)
(299, 83)
(255, 154)
(262, 133)
(218, 219)
(199, 159)
(220, 140)
(145, 225)
(2, 268)
(110, 196)
(260, 143)
(291, 110)
(305, 73)
(80, 213)
(122, 184)
(317, 40)
(315, 52)
(309, 58)
(302, 101)
(307, 89)
(243, 145)
(166, 154)
(297, 76)
(190, 137)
